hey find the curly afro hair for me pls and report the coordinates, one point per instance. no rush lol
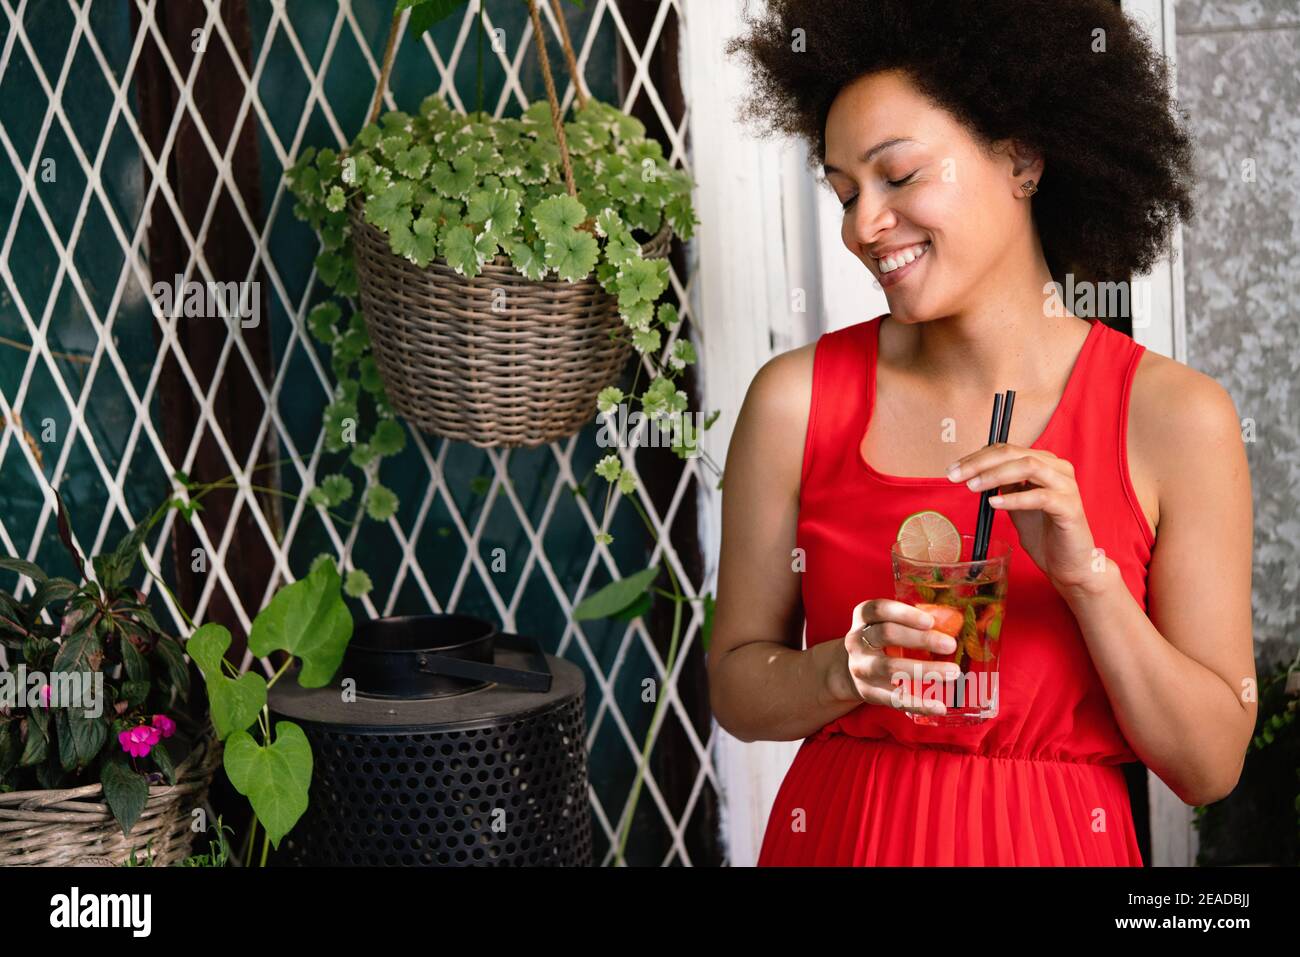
(1118, 160)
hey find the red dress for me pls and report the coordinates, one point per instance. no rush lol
(1041, 783)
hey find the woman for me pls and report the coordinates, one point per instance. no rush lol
(983, 151)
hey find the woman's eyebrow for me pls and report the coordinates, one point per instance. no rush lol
(870, 154)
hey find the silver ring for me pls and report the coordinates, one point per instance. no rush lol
(862, 632)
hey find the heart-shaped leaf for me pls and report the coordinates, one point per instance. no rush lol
(425, 13)
(274, 778)
(234, 703)
(616, 596)
(308, 619)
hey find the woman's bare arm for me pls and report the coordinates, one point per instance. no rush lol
(1181, 679)
(762, 684)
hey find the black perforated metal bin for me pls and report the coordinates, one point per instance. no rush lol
(476, 772)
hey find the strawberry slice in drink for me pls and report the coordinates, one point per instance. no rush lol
(947, 619)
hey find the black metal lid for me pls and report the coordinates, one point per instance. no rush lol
(429, 656)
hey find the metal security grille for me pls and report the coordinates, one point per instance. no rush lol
(85, 177)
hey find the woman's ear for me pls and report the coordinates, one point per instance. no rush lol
(1026, 168)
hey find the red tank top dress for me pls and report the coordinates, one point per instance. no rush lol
(1041, 783)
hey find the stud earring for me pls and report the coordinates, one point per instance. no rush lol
(1029, 187)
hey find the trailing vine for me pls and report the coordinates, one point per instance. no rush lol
(465, 188)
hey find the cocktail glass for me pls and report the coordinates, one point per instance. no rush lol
(967, 600)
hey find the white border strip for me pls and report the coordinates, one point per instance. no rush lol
(1164, 330)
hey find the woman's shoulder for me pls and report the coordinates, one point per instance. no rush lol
(772, 425)
(1176, 415)
(1171, 399)
(781, 390)
(778, 406)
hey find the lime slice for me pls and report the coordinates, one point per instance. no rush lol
(929, 536)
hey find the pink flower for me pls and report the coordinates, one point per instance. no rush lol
(139, 741)
(164, 724)
(45, 696)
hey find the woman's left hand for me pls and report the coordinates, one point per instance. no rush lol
(1039, 490)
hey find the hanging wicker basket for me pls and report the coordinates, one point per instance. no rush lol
(74, 827)
(496, 360)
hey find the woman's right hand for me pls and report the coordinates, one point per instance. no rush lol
(872, 675)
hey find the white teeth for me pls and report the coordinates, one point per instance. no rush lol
(901, 258)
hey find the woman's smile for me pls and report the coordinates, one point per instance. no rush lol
(897, 264)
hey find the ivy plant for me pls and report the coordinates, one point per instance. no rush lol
(464, 188)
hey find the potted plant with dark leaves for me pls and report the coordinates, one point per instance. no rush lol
(271, 765)
(99, 756)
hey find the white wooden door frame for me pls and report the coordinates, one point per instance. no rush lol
(770, 274)
(1163, 329)
(753, 253)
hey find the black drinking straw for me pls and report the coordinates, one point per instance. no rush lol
(999, 429)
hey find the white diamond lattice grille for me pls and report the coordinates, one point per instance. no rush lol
(78, 350)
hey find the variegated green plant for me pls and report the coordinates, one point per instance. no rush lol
(465, 188)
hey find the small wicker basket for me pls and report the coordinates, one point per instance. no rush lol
(496, 360)
(74, 827)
